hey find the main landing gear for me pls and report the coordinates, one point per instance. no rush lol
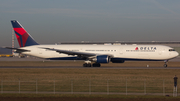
(88, 64)
(93, 65)
(96, 65)
(165, 63)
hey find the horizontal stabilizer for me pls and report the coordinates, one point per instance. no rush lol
(18, 50)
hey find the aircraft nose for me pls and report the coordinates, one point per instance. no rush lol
(176, 54)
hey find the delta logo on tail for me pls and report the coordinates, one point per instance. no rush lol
(21, 35)
(24, 39)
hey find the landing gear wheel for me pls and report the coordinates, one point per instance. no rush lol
(96, 65)
(87, 65)
(165, 65)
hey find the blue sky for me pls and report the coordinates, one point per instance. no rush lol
(52, 21)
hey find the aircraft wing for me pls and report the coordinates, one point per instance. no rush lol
(79, 54)
(18, 50)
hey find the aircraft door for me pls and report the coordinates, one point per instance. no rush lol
(121, 51)
(160, 51)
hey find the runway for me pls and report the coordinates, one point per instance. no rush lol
(32, 62)
(79, 67)
(20, 59)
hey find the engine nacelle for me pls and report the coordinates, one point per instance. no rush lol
(116, 60)
(102, 59)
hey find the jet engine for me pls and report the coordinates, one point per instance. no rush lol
(102, 59)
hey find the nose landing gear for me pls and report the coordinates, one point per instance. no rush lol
(165, 63)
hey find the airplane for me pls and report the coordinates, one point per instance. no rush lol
(93, 55)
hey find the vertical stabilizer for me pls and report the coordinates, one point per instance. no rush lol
(23, 37)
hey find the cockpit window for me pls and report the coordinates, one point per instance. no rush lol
(171, 49)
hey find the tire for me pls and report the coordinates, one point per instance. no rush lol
(85, 65)
(165, 65)
(96, 65)
(89, 65)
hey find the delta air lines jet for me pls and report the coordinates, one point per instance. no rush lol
(93, 55)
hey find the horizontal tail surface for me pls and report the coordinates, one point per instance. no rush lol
(23, 37)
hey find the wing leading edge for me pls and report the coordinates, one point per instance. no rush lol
(79, 54)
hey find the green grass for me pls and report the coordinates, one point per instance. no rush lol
(84, 80)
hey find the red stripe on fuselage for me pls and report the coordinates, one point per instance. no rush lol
(23, 34)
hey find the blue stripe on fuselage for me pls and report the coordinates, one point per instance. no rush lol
(132, 59)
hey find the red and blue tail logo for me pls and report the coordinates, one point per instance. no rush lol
(23, 37)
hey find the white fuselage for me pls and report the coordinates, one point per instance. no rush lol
(147, 52)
